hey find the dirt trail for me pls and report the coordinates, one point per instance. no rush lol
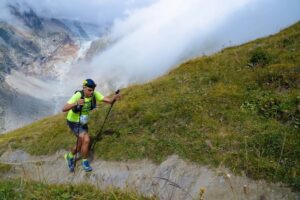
(173, 179)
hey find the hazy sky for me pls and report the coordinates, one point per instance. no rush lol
(154, 35)
(158, 36)
(94, 11)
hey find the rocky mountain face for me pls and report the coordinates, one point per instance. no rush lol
(97, 46)
(35, 47)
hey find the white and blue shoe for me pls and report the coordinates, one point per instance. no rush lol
(86, 165)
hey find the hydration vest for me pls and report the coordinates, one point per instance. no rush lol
(78, 108)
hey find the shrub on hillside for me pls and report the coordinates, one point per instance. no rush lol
(259, 58)
(286, 42)
(282, 78)
(270, 106)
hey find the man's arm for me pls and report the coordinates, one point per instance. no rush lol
(68, 107)
(112, 99)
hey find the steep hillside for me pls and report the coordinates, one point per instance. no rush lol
(238, 108)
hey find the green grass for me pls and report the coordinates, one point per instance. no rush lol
(4, 168)
(239, 108)
(20, 189)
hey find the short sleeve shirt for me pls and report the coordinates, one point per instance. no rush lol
(74, 117)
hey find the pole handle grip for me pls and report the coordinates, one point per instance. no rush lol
(117, 92)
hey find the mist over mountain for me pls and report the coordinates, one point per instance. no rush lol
(47, 48)
(155, 38)
(35, 52)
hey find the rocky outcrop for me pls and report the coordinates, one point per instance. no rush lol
(173, 179)
(21, 49)
(28, 16)
(29, 54)
(2, 116)
(97, 47)
(31, 48)
(3, 103)
(38, 48)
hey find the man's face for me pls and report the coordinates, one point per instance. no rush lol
(88, 92)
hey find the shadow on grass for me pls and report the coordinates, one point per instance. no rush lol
(97, 138)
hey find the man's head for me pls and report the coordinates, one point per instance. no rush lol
(88, 87)
(89, 83)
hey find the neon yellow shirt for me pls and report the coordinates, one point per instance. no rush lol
(74, 117)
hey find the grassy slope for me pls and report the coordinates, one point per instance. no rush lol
(214, 110)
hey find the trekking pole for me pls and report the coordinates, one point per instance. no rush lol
(76, 149)
(107, 114)
(77, 141)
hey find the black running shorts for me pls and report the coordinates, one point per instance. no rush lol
(77, 128)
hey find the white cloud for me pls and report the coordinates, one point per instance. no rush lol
(157, 37)
(152, 39)
(154, 35)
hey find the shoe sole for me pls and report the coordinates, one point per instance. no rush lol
(87, 170)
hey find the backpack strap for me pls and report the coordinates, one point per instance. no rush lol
(94, 102)
(78, 108)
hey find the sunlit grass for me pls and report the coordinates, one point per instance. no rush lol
(23, 189)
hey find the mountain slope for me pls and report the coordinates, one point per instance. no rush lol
(239, 108)
(36, 52)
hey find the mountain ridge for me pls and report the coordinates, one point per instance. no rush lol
(38, 48)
